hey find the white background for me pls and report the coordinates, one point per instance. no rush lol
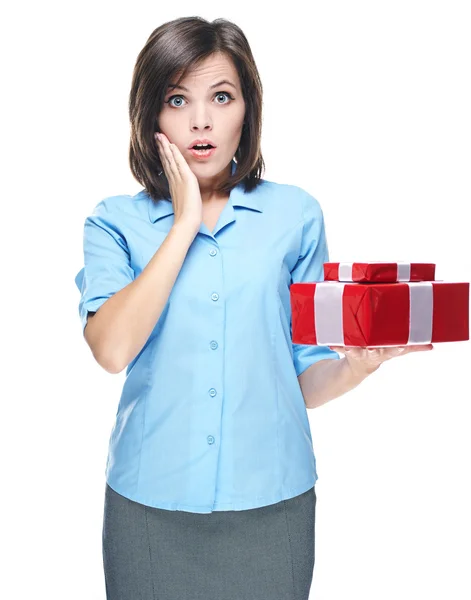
(367, 107)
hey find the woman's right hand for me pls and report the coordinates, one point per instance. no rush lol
(184, 187)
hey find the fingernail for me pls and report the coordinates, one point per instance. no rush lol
(157, 135)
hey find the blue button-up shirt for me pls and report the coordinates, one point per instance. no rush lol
(211, 415)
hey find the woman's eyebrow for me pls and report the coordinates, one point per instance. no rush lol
(181, 87)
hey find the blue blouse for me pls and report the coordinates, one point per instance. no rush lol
(211, 415)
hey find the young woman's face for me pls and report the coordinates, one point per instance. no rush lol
(202, 111)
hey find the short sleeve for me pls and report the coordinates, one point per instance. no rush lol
(309, 268)
(106, 267)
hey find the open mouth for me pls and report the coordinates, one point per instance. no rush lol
(203, 151)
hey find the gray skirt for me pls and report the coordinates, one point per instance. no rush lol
(264, 553)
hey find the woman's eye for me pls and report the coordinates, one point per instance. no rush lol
(224, 94)
(169, 101)
(179, 96)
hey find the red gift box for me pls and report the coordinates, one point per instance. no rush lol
(333, 313)
(381, 272)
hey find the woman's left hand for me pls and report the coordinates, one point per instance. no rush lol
(363, 360)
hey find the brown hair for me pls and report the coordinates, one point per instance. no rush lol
(180, 45)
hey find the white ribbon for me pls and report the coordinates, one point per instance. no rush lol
(403, 271)
(346, 270)
(421, 312)
(328, 312)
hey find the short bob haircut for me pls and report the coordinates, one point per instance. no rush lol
(178, 46)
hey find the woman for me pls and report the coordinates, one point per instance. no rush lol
(211, 471)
